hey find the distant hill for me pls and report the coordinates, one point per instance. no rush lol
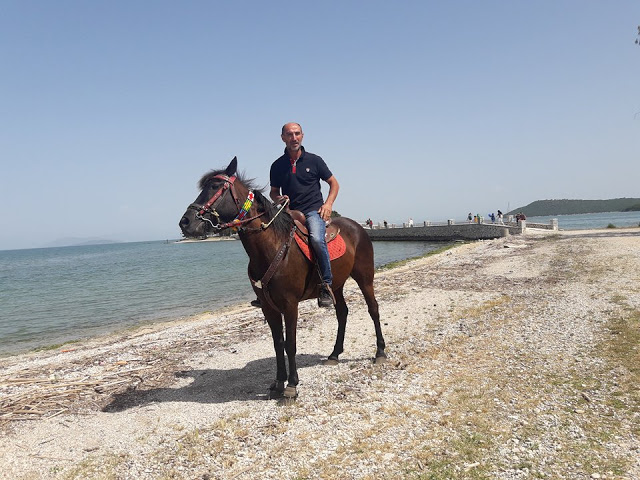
(541, 208)
(78, 242)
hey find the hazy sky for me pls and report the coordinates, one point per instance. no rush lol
(110, 111)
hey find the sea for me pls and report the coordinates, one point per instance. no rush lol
(587, 221)
(50, 296)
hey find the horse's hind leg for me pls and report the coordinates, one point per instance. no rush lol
(341, 313)
(366, 286)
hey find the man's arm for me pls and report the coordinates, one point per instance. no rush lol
(326, 209)
(275, 194)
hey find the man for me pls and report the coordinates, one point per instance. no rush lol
(297, 175)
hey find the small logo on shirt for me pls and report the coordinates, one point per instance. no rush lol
(308, 169)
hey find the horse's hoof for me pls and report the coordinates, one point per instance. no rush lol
(331, 361)
(380, 360)
(276, 390)
(289, 396)
(274, 395)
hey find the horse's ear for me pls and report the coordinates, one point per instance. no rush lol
(233, 166)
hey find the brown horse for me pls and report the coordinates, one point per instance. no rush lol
(280, 273)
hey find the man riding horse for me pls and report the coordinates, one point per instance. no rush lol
(280, 268)
(296, 175)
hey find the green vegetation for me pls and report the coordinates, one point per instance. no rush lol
(46, 348)
(621, 350)
(541, 208)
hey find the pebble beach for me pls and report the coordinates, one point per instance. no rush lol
(512, 358)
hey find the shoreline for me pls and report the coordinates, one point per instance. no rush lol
(506, 341)
(158, 323)
(208, 239)
(242, 309)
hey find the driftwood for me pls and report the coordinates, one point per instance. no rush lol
(31, 396)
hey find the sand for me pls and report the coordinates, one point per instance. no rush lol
(501, 365)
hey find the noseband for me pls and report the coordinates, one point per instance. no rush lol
(209, 207)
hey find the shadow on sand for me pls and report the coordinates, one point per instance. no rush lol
(212, 386)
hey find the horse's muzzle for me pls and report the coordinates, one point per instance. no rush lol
(191, 226)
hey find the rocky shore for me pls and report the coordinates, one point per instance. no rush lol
(508, 359)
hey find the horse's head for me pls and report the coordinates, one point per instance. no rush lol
(217, 204)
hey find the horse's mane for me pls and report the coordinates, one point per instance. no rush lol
(282, 223)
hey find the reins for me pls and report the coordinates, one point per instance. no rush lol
(238, 224)
(280, 206)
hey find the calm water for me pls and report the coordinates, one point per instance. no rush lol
(53, 295)
(587, 221)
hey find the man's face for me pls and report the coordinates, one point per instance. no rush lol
(292, 136)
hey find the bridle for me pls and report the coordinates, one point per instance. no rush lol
(241, 218)
(209, 208)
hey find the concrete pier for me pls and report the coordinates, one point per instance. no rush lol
(449, 232)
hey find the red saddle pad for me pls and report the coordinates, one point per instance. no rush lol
(337, 247)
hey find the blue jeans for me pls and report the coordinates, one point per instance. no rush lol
(317, 229)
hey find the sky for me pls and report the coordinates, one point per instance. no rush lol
(111, 111)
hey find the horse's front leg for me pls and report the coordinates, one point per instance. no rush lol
(274, 319)
(291, 324)
(342, 311)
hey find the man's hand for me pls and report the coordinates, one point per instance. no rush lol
(283, 201)
(325, 211)
(275, 195)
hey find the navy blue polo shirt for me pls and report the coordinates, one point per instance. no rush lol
(303, 186)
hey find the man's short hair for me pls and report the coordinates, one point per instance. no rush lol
(300, 126)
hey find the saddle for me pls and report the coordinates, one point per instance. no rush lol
(335, 242)
(301, 224)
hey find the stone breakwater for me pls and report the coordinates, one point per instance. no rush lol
(453, 231)
(443, 233)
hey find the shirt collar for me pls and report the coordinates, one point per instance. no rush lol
(286, 152)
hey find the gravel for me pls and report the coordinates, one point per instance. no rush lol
(500, 366)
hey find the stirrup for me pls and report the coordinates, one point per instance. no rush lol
(326, 288)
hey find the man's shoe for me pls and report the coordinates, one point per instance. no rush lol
(325, 298)
(256, 303)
